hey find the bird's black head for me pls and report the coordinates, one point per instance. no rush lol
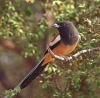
(66, 29)
(63, 25)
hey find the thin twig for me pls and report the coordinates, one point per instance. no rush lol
(67, 86)
(55, 82)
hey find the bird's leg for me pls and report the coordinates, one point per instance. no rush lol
(54, 55)
(63, 58)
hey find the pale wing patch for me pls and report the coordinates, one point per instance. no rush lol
(79, 37)
(57, 39)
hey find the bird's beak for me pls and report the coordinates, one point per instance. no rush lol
(56, 25)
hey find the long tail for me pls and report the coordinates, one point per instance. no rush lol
(37, 70)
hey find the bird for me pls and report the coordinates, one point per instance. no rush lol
(63, 44)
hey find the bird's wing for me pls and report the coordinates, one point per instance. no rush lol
(54, 43)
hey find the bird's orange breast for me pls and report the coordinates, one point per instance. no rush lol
(63, 49)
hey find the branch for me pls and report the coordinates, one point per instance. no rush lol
(66, 58)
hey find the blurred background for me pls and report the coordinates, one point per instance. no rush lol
(25, 30)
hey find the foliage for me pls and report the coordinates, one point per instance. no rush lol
(80, 77)
(11, 93)
(13, 26)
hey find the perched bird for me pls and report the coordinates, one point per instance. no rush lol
(63, 44)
